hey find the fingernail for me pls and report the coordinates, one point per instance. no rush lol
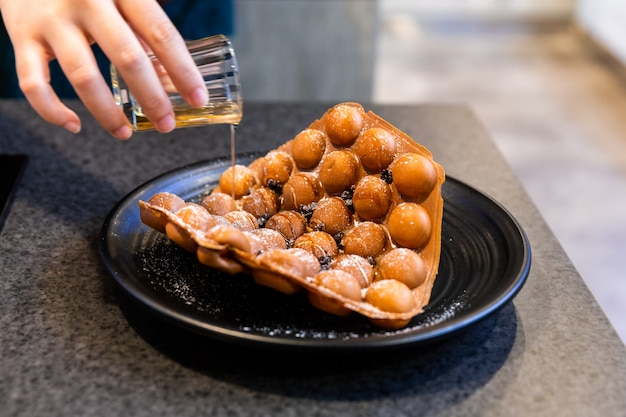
(124, 132)
(199, 97)
(166, 124)
(72, 127)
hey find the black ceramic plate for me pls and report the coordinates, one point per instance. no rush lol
(485, 260)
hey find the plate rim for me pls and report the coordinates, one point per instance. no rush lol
(393, 339)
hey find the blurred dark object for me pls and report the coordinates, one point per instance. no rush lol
(11, 168)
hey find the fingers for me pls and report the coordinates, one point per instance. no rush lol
(155, 28)
(64, 29)
(125, 51)
(69, 45)
(33, 74)
(81, 69)
(30, 23)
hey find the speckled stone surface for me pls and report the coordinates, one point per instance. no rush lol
(72, 344)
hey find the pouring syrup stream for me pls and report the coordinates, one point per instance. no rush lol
(233, 130)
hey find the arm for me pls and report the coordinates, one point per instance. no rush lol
(42, 30)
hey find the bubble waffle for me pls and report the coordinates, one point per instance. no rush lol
(349, 211)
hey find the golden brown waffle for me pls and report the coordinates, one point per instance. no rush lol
(348, 211)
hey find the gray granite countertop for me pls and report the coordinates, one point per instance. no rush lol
(72, 344)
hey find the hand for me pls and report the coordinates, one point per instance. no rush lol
(42, 30)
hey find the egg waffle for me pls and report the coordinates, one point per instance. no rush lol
(349, 212)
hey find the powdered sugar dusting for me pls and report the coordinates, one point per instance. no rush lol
(237, 303)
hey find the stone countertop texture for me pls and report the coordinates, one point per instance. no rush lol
(72, 344)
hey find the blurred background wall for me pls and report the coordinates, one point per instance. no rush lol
(486, 9)
(306, 49)
(326, 49)
(605, 20)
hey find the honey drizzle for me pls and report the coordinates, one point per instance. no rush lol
(233, 130)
